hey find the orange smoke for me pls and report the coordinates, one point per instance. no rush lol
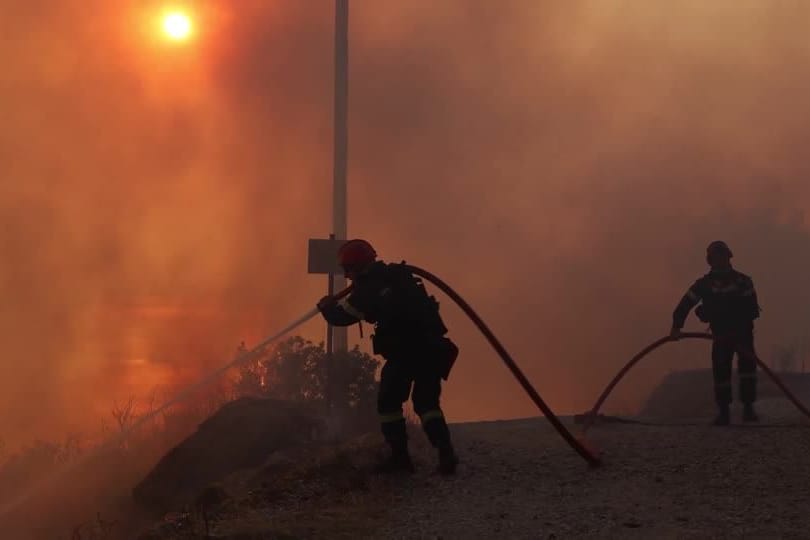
(562, 166)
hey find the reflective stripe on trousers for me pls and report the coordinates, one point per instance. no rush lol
(393, 417)
(432, 415)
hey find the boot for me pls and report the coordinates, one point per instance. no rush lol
(396, 435)
(439, 436)
(447, 461)
(723, 415)
(749, 414)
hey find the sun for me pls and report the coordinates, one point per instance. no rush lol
(177, 25)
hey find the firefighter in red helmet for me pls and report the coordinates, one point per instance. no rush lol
(410, 335)
(728, 302)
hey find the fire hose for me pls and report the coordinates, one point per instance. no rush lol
(578, 445)
(591, 416)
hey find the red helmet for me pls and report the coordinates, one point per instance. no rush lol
(356, 253)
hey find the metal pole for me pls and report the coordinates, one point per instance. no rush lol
(330, 368)
(341, 143)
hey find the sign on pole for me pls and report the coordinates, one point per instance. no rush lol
(322, 256)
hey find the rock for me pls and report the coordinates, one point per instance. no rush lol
(687, 395)
(241, 435)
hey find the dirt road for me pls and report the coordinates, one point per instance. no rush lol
(519, 480)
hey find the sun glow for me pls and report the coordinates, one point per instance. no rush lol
(177, 26)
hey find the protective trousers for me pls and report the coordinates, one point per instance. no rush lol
(723, 350)
(403, 378)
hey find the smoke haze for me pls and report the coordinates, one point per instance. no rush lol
(563, 165)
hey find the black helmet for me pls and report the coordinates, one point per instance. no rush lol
(719, 247)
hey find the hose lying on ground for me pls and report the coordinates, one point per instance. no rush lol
(592, 415)
(578, 445)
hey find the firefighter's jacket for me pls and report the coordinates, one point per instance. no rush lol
(390, 297)
(728, 302)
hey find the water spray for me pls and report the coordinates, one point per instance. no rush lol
(121, 437)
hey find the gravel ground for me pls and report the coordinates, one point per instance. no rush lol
(518, 479)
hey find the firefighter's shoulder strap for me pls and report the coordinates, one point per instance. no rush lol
(415, 298)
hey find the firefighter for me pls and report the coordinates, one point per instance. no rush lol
(728, 303)
(410, 335)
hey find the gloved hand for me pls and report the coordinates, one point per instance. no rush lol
(675, 333)
(325, 303)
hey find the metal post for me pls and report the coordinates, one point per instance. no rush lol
(330, 367)
(341, 142)
(338, 342)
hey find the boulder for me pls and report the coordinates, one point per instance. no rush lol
(689, 394)
(241, 435)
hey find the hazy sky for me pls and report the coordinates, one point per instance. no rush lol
(562, 164)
